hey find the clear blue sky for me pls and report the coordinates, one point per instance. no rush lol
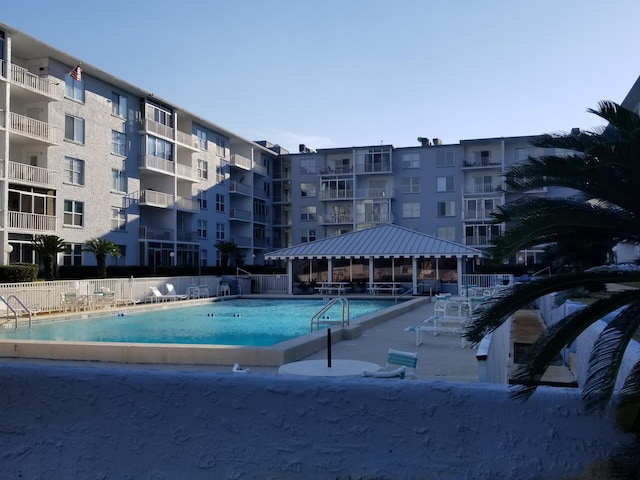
(357, 72)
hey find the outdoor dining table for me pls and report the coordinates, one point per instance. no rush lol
(320, 368)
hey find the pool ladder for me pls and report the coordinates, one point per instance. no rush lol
(319, 318)
(13, 310)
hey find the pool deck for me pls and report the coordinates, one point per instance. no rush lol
(439, 357)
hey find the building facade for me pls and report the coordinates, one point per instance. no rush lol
(84, 154)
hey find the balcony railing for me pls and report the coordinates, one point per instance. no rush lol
(334, 194)
(237, 187)
(185, 171)
(376, 193)
(187, 236)
(155, 199)
(37, 83)
(188, 140)
(240, 162)
(237, 214)
(335, 219)
(33, 128)
(261, 169)
(241, 241)
(156, 163)
(28, 174)
(477, 241)
(477, 214)
(32, 221)
(157, 128)
(383, 167)
(486, 162)
(187, 204)
(472, 188)
(374, 218)
(155, 233)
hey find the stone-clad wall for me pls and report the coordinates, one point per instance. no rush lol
(68, 421)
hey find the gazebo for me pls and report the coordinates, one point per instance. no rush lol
(386, 253)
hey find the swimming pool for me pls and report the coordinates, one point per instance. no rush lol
(249, 322)
(195, 354)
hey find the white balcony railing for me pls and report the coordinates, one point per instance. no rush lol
(241, 162)
(187, 204)
(32, 221)
(333, 194)
(236, 214)
(23, 173)
(334, 219)
(38, 83)
(155, 199)
(157, 128)
(374, 218)
(188, 140)
(237, 187)
(472, 188)
(33, 128)
(156, 163)
(477, 214)
(185, 171)
(376, 192)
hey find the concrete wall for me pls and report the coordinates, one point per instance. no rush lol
(83, 421)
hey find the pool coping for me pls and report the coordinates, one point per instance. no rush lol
(183, 354)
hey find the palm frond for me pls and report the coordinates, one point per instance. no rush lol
(628, 405)
(606, 356)
(553, 339)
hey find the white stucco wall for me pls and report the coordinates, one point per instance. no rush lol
(101, 422)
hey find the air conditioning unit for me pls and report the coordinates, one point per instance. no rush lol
(437, 141)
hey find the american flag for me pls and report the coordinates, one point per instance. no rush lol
(76, 73)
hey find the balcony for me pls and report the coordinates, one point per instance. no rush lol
(338, 170)
(187, 204)
(157, 164)
(477, 214)
(147, 233)
(240, 215)
(241, 188)
(482, 188)
(188, 141)
(376, 193)
(241, 162)
(32, 128)
(374, 218)
(43, 85)
(335, 219)
(332, 194)
(261, 169)
(32, 222)
(191, 236)
(160, 129)
(375, 167)
(477, 241)
(241, 242)
(483, 162)
(30, 175)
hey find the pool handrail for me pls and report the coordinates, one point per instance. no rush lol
(317, 320)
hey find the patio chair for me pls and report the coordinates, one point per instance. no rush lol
(172, 294)
(157, 296)
(404, 361)
(224, 289)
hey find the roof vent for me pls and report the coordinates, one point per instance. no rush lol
(437, 141)
(304, 149)
(424, 141)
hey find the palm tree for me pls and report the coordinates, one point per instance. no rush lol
(48, 246)
(101, 248)
(603, 168)
(226, 248)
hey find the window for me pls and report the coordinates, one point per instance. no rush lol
(308, 235)
(202, 229)
(410, 160)
(203, 257)
(411, 210)
(447, 209)
(73, 254)
(74, 88)
(445, 159)
(308, 213)
(202, 199)
(220, 172)
(119, 180)
(118, 143)
(159, 148)
(202, 138)
(203, 169)
(219, 202)
(73, 213)
(411, 185)
(447, 233)
(118, 219)
(308, 165)
(73, 171)
(159, 114)
(308, 189)
(118, 105)
(219, 231)
(74, 129)
(444, 184)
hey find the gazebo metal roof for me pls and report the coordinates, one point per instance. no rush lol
(384, 241)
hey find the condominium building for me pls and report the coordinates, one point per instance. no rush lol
(446, 190)
(84, 154)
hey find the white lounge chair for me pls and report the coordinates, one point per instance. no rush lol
(404, 361)
(157, 296)
(171, 292)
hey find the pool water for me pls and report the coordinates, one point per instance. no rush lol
(248, 322)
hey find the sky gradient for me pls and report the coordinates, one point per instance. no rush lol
(337, 73)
